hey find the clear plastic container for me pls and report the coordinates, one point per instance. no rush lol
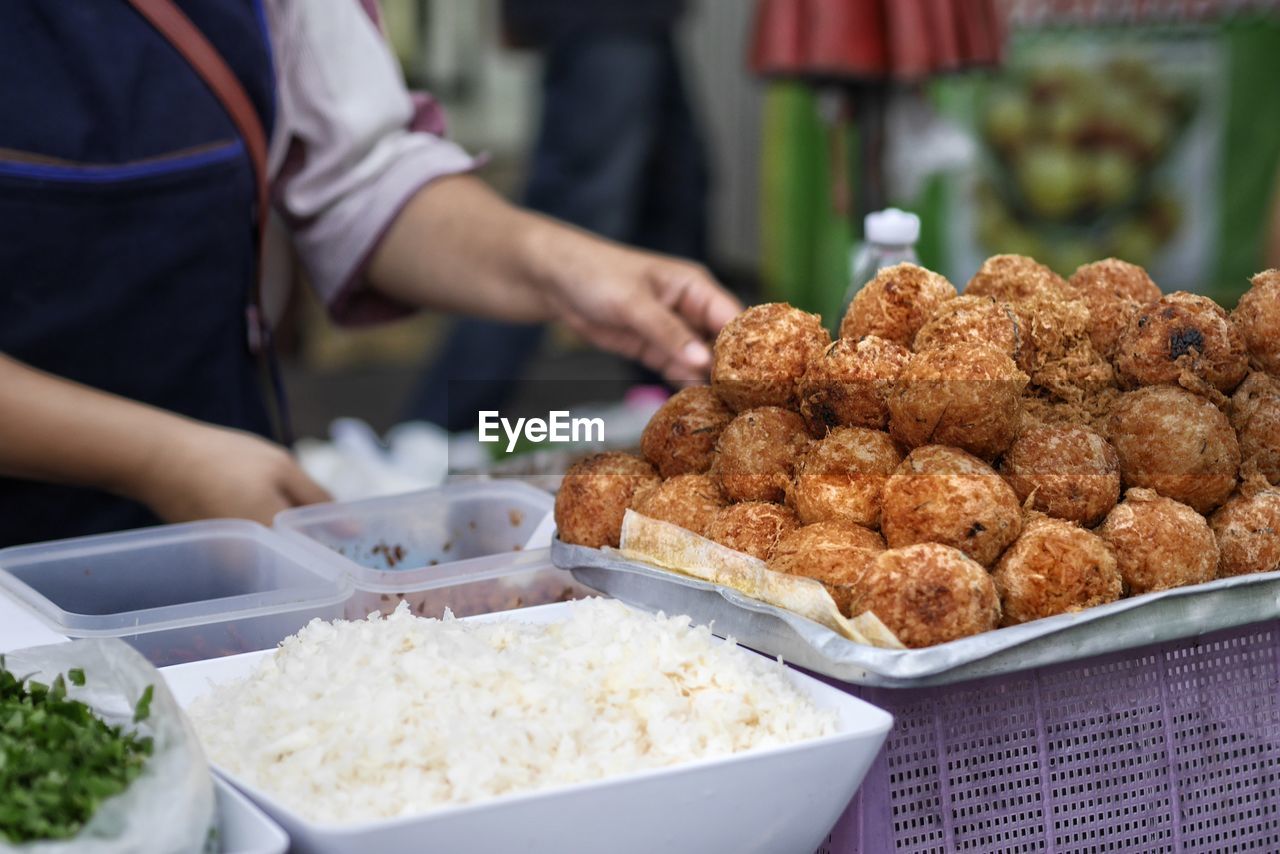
(177, 593)
(462, 546)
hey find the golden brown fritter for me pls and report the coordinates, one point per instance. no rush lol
(681, 436)
(1079, 378)
(849, 384)
(1255, 415)
(688, 500)
(1177, 443)
(761, 354)
(595, 494)
(1257, 317)
(1181, 334)
(1114, 291)
(1247, 529)
(840, 478)
(1092, 411)
(754, 527)
(965, 395)
(1014, 279)
(1159, 543)
(757, 454)
(944, 495)
(1069, 471)
(1054, 567)
(833, 553)
(1064, 365)
(976, 320)
(928, 594)
(896, 303)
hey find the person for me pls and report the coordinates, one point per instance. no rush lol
(130, 391)
(636, 172)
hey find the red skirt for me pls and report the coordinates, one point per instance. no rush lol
(874, 39)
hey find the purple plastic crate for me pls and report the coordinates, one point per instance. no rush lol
(1173, 747)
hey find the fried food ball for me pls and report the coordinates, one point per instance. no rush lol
(681, 436)
(1013, 279)
(757, 453)
(688, 500)
(840, 478)
(1177, 443)
(896, 303)
(1257, 317)
(1114, 291)
(754, 527)
(1069, 471)
(1064, 365)
(1247, 529)
(849, 384)
(1075, 377)
(1092, 410)
(976, 320)
(761, 354)
(594, 495)
(1054, 567)
(928, 594)
(1178, 333)
(944, 495)
(833, 553)
(1255, 415)
(1159, 543)
(965, 395)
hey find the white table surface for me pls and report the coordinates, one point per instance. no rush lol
(20, 628)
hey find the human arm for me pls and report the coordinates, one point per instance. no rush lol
(492, 259)
(384, 221)
(59, 431)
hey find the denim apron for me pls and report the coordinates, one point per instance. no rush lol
(127, 234)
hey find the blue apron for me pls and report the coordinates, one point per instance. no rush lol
(127, 239)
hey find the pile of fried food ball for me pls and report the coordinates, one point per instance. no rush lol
(956, 463)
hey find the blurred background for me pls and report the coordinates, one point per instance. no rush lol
(754, 136)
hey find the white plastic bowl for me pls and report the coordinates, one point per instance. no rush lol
(242, 828)
(780, 800)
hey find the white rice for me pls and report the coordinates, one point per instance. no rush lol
(351, 721)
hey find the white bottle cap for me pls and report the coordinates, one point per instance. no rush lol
(892, 227)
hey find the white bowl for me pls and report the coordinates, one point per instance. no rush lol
(780, 800)
(242, 828)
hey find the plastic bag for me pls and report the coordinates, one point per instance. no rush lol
(169, 807)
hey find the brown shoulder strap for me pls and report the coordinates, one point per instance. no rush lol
(175, 26)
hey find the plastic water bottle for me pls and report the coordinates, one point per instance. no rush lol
(890, 238)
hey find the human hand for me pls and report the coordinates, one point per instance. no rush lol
(658, 310)
(199, 471)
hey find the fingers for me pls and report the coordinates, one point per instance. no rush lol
(631, 345)
(300, 489)
(699, 298)
(264, 510)
(670, 345)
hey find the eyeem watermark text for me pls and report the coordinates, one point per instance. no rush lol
(558, 426)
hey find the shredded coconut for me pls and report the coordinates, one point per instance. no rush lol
(376, 718)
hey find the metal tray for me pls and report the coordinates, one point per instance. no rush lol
(1184, 612)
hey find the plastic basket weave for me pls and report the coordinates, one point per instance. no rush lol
(1173, 747)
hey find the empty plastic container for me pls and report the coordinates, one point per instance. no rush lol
(177, 593)
(462, 546)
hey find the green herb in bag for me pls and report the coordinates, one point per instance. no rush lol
(58, 760)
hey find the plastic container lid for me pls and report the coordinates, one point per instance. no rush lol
(434, 538)
(892, 227)
(168, 577)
